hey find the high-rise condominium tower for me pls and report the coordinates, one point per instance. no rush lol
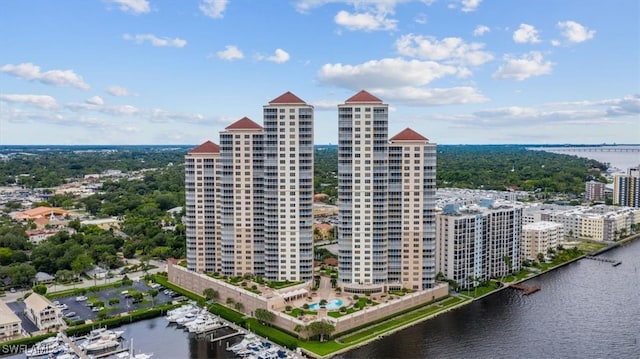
(242, 199)
(412, 217)
(386, 228)
(201, 219)
(288, 189)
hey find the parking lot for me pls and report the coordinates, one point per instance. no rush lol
(81, 309)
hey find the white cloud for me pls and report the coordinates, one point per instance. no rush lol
(132, 6)
(367, 15)
(305, 6)
(574, 32)
(29, 71)
(230, 53)
(385, 73)
(213, 8)
(95, 100)
(628, 105)
(559, 117)
(117, 91)
(470, 5)
(481, 30)
(526, 34)
(42, 101)
(449, 49)
(421, 19)
(154, 40)
(531, 64)
(415, 96)
(366, 21)
(279, 57)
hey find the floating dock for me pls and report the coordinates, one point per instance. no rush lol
(526, 289)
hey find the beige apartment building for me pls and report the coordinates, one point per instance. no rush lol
(249, 203)
(10, 323)
(42, 312)
(412, 230)
(288, 189)
(242, 198)
(539, 237)
(202, 208)
(386, 199)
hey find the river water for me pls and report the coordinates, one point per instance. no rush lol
(587, 309)
(620, 160)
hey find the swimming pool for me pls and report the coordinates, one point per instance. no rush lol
(332, 304)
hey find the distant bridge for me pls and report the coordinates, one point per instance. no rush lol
(573, 149)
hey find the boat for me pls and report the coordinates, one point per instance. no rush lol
(103, 331)
(130, 354)
(101, 344)
(206, 326)
(176, 316)
(189, 317)
(45, 347)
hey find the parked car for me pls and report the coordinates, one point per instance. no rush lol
(70, 314)
(81, 298)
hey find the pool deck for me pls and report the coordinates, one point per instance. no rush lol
(324, 292)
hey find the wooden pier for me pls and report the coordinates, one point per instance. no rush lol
(526, 290)
(111, 353)
(76, 349)
(213, 340)
(613, 262)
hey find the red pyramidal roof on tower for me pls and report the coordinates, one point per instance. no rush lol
(286, 97)
(207, 147)
(408, 135)
(363, 96)
(244, 123)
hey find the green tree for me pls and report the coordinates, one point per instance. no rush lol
(19, 274)
(320, 328)
(265, 316)
(153, 293)
(210, 294)
(81, 264)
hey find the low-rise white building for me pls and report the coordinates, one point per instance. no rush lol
(597, 223)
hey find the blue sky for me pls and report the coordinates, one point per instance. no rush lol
(456, 71)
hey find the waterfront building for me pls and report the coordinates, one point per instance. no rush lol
(598, 223)
(626, 188)
(288, 189)
(478, 242)
(42, 312)
(249, 204)
(202, 208)
(362, 193)
(594, 191)
(10, 323)
(539, 237)
(242, 199)
(411, 208)
(386, 213)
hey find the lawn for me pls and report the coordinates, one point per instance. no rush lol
(400, 321)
